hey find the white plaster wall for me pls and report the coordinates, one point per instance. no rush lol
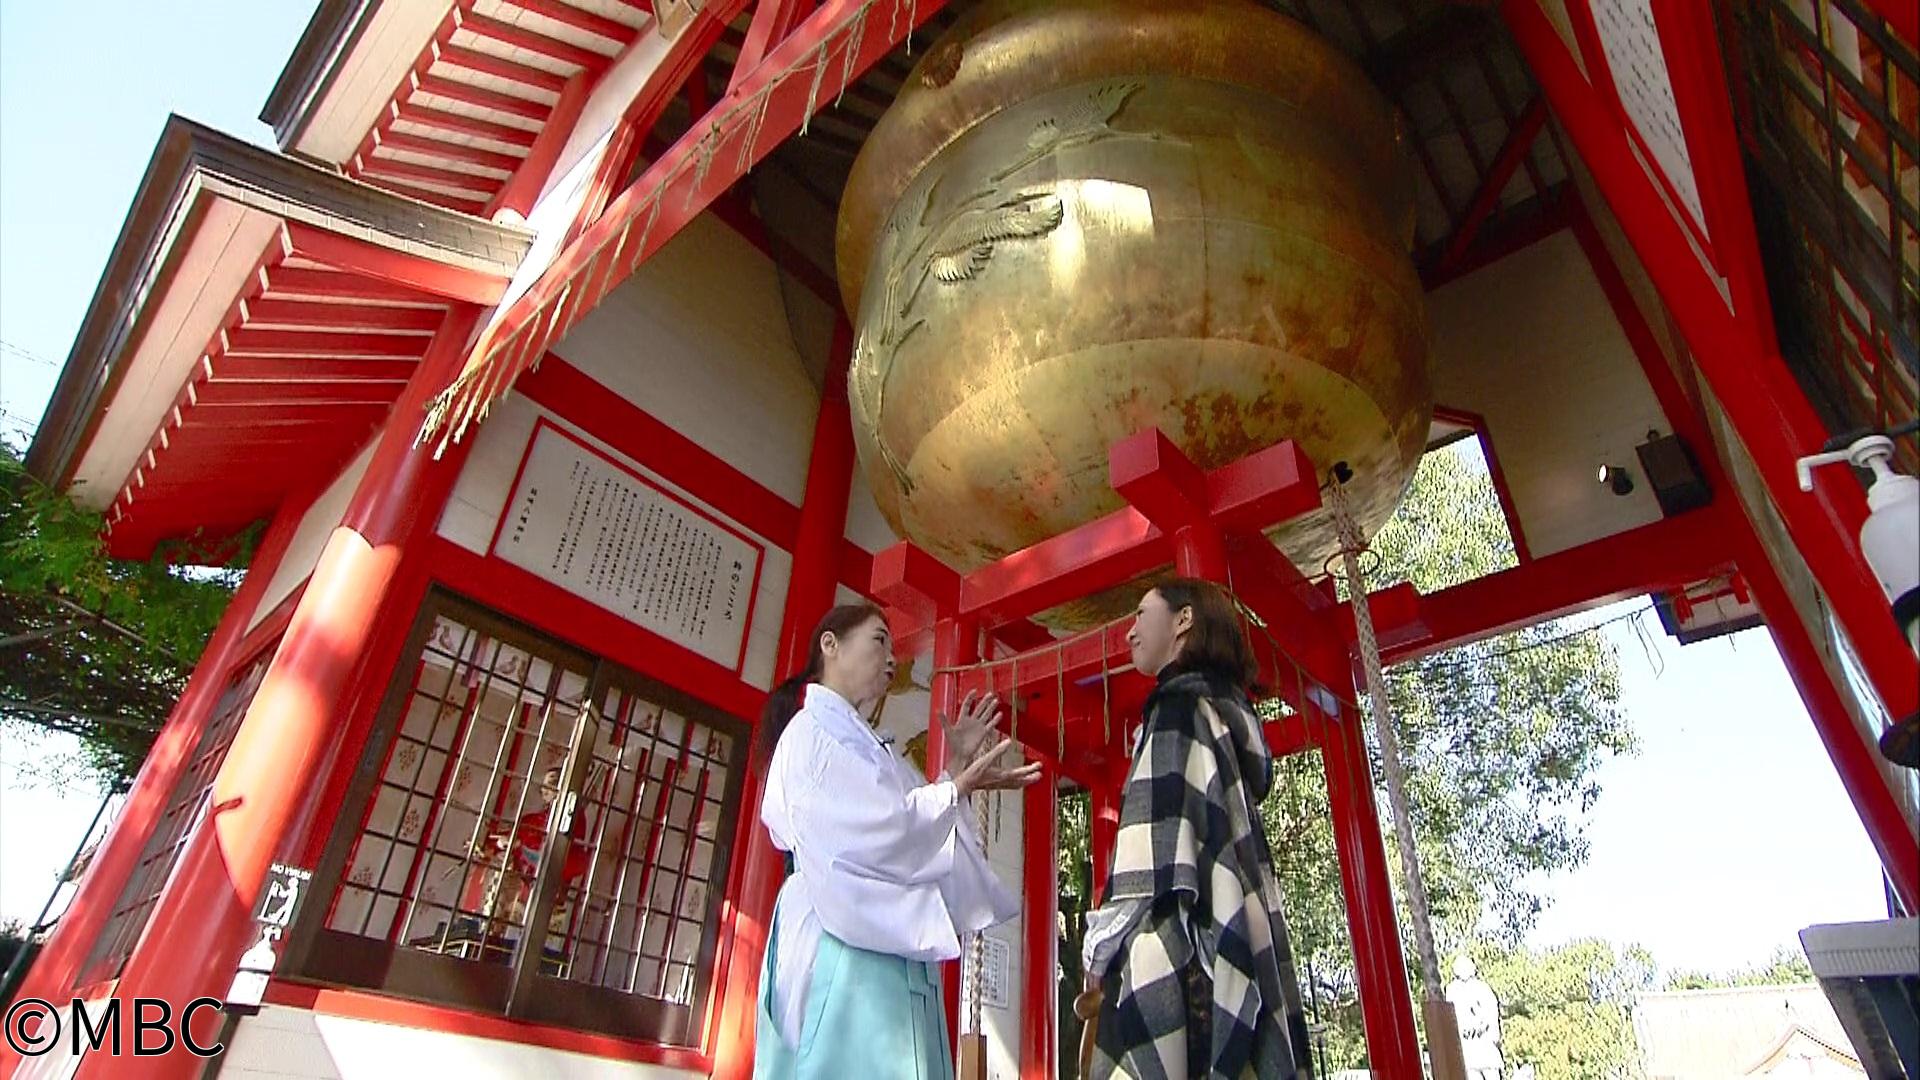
(865, 526)
(480, 496)
(310, 536)
(1531, 344)
(283, 1043)
(698, 338)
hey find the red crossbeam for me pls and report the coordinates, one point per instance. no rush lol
(1513, 153)
(1256, 492)
(304, 344)
(430, 177)
(580, 19)
(416, 272)
(801, 75)
(241, 392)
(1671, 553)
(472, 155)
(264, 313)
(520, 37)
(481, 63)
(480, 98)
(456, 124)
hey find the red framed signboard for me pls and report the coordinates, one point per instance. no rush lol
(591, 523)
(1621, 46)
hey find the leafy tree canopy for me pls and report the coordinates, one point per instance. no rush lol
(90, 645)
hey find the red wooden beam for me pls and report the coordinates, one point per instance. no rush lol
(305, 283)
(431, 196)
(1752, 384)
(1253, 493)
(304, 344)
(772, 21)
(1487, 199)
(1039, 868)
(398, 267)
(1671, 553)
(455, 124)
(1297, 617)
(238, 392)
(477, 187)
(1713, 148)
(1521, 551)
(836, 44)
(543, 153)
(580, 19)
(526, 75)
(248, 369)
(1503, 239)
(480, 98)
(1847, 746)
(244, 414)
(520, 37)
(450, 151)
(263, 313)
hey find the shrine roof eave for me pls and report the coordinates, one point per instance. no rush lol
(331, 35)
(198, 174)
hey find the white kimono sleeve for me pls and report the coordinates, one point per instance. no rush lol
(885, 864)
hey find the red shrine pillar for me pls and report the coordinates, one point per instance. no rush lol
(55, 971)
(956, 641)
(1103, 827)
(203, 919)
(1380, 970)
(1040, 1000)
(758, 868)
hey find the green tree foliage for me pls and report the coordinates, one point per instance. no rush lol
(90, 645)
(1787, 967)
(1567, 1011)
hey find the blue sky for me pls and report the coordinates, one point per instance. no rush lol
(1718, 842)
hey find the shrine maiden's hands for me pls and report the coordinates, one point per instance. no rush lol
(967, 738)
(979, 759)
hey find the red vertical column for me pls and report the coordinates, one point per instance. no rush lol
(1103, 828)
(1853, 755)
(956, 642)
(758, 867)
(1199, 553)
(1040, 999)
(203, 919)
(1386, 999)
(53, 973)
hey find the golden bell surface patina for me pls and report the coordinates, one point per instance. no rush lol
(1085, 218)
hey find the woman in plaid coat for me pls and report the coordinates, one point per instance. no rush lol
(1189, 949)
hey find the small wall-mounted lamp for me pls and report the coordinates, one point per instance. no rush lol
(1616, 478)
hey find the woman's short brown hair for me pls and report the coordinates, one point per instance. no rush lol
(1216, 642)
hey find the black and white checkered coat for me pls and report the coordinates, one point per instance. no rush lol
(1202, 982)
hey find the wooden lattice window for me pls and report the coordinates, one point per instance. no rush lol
(186, 808)
(1831, 112)
(533, 832)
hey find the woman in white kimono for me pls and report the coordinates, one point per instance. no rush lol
(885, 872)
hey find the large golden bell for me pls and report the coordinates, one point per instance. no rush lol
(1085, 218)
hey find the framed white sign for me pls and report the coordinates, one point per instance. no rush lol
(601, 529)
(1639, 67)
